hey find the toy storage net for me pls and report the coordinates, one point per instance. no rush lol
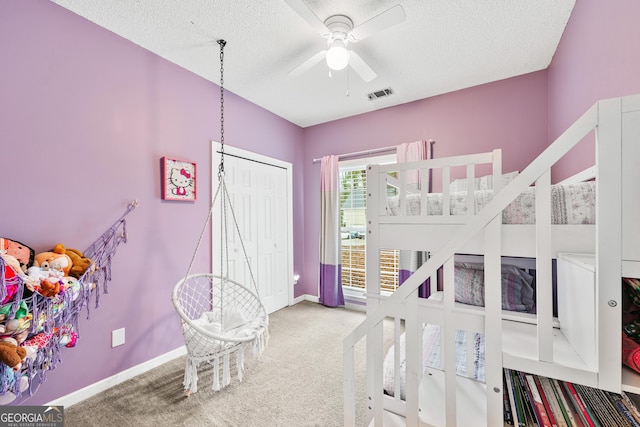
(51, 320)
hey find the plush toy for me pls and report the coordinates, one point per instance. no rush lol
(23, 253)
(53, 260)
(47, 282)
(72, 287)
(10, 282)
(12, 355)
(40, 340)
(66, 335)
(5, 310)
(49, 288)
(12, 262)
(37, 273)
(17, 329)
(30, 284)
(80, 263)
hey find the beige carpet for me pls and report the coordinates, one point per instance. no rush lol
(296, 382)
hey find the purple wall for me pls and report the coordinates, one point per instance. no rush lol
(85, 118)
(597, 58)
(509, 114)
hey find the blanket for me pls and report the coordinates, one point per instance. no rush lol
(431, 357)
(571, 204)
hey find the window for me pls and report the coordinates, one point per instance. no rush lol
(353, 187)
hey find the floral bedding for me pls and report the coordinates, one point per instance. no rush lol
(571, 204)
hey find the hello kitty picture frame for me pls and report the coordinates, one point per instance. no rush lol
(178, 179)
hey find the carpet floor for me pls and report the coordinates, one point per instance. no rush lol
(296, 382)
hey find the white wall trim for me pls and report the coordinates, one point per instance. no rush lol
(105, 384)
(306, 297)
(313, 298)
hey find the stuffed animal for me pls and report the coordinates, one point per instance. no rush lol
(49, 288)
(80, 263)
(40, 340)
(53, 260)
(5, 310)
(66, 335)
(72, 287)
(23, 253)
(12, 355)
(37, 273)
(12, 262)
(17, 329)
(44, 280)
(10, 282)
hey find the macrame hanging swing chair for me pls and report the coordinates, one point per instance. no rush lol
(220, 317)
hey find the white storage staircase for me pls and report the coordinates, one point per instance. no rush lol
(586, 347)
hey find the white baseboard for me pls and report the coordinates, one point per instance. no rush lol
(93, 389)
(313, 298)
(305, 297)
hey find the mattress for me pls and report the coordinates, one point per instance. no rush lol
(571, 204)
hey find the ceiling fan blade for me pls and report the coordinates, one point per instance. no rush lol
(301, 8)
(384, 20)
(306, 65)
(359, 66)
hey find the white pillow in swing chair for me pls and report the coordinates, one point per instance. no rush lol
(205, 322)
(231, 318)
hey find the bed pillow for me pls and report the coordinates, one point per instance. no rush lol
(481, 183)
(517, 286)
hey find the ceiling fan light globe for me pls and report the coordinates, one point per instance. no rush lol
(337, 57)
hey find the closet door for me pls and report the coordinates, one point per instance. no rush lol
(241, 209)
(258, 193)
(271, 230)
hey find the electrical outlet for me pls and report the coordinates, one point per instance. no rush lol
(117, 337)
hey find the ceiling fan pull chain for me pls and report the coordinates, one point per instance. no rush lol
(348, 74)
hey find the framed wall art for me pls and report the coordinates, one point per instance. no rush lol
(178, 179)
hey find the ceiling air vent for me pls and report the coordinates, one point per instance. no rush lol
(380, 94)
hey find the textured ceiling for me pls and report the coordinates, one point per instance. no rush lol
(441, 46)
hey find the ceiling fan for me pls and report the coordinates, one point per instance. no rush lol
(339, 31)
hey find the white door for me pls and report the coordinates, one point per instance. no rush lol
(259, 201)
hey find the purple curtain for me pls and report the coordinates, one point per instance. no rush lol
(330, 248)
(410, 260)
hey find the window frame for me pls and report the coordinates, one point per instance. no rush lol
(361, 164)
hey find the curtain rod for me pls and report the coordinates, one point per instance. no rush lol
(362, 153)
(370, 152)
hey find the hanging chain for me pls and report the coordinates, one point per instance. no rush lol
(224, 239)
(222, 43)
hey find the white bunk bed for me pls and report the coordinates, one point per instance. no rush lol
(581, 345)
